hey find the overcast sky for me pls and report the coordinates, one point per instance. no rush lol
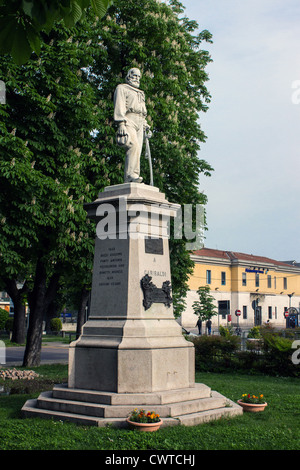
(252, 126)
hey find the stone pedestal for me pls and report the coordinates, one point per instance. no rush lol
(131, 352)
(131, 341)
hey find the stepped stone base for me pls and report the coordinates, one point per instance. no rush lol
(131, 348)
(188, 406)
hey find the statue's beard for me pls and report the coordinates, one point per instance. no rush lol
(133, 82)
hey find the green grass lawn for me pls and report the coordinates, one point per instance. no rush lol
(277, 428)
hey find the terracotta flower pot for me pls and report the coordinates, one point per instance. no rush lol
(252, 407)
(148, 427)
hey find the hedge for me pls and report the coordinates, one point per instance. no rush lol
(221, 353)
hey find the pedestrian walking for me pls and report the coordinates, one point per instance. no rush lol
(208, 327)
(199, 324)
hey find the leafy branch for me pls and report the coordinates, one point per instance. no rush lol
(22, 21)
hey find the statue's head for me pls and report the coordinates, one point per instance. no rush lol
(133, 77)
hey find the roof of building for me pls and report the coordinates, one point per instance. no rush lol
(234, 255)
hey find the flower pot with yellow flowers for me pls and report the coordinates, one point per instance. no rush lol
(252, 403)
(144, 421)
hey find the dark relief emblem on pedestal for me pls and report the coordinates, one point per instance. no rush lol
(153, 294)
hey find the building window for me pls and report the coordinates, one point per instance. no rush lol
(270, 313)
(208, 276)
(256, 280)
(245, 312)
(269, 282)
(285, 283)
(223, 278)
(274, 282)
(224, 308)
(275, 313)
(244, 279)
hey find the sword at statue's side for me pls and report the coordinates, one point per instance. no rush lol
(148, 135)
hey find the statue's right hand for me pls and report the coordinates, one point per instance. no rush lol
(122, 135)
(122, 130)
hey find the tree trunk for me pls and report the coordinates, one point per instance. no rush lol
(85, 293)
(32, 355)
(18, 333)
(39, 301)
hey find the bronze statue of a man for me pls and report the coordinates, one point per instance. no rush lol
(130, 115)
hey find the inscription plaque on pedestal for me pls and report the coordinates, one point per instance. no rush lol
(154, 246)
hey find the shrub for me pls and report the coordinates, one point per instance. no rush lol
(250, 361)
(4, 315)
(254, 332)
(293, 333)
(254, 344)
(206, 345)
(225, 331)
(277, 355)
(212, 345)
(9, 324)
(231, 343)
(271, 354)
(215, 352)
(276, 344)
(56, 324)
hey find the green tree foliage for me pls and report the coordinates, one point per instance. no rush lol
(58, 150)
(21, 22)
(204, 308)
(158, 39)
(46, 153)
(56, 325)
(47, 170)
(165, 45)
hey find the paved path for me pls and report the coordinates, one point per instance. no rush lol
(51, 353)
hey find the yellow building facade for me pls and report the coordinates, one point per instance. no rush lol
(259, 288)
